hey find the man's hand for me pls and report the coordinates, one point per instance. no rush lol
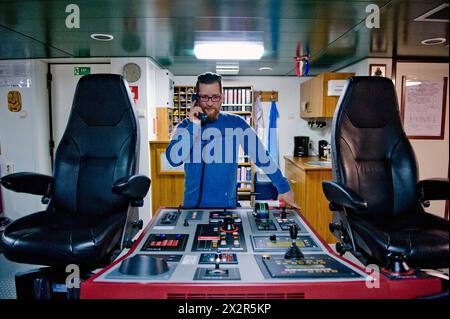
(193, 114)
(288, 198)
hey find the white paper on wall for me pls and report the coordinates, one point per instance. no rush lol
(336, 87)
(15, 74)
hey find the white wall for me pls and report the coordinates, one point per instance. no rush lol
(289, 123)
(24, 138)
(432, 155)
(147, 115)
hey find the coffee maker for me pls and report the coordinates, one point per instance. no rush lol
(323, 149)
(301, 146)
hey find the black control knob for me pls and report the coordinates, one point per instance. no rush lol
(283, 213)
(273, 237)
(228, 224)
(139, 224)
(293, 231)
(293, 252)
(335, 227)
(186, 223)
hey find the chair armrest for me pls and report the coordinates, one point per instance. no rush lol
(341, 195)
(31, 183)
(134, 187)
(434, 189)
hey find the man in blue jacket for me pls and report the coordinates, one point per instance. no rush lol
(209, 151)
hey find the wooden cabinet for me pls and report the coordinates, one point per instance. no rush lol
(306, 183)
(164, 123)
(167, 186)
(314, 99)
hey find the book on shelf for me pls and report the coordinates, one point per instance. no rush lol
(248, 96)
(244, 174)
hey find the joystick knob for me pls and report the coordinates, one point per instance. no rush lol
(293, 251)
(293, 231)
(228, 224)
(283, 213)
(217, 259)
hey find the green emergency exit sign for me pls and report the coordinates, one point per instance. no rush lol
(81, 70)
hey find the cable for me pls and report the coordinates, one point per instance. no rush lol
(202, 174)
(199, 199)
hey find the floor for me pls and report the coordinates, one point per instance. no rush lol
(7, 271)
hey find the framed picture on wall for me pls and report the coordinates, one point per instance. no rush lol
(377, 69)
(423, 107)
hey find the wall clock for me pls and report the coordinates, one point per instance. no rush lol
(131, 72)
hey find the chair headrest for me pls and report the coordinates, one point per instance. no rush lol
(101, 99)
(369, 101)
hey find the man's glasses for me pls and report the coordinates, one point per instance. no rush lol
(206, 98)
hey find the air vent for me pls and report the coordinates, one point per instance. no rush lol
(227, 68)
(438, 14)
(298, 295)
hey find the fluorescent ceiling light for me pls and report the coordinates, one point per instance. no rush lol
(433, 41)
(228, 50)
(102, 36)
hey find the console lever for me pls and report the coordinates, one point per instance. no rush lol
(293, 251)
(283, 212)
(293, 232)
(217, 259)
(228, 224)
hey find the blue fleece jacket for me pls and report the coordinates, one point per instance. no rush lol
(219, 142)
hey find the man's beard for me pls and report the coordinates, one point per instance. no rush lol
(212, 114)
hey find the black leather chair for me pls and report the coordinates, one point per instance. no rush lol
(376, 198)
(94, 193)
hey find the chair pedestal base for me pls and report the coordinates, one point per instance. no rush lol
(46, 283)
(397, 266)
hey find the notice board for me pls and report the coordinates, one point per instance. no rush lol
(423, 107)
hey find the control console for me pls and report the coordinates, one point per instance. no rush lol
(234, 253)
(238, 245)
